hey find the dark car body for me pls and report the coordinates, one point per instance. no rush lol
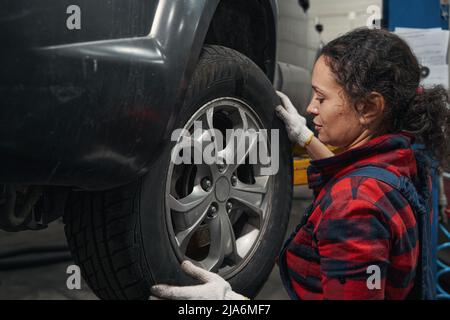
(91, 93)
(91, 107)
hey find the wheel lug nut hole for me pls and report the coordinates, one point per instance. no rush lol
(206, 183)
(212, 212)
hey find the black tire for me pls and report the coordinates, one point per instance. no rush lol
(119, 238)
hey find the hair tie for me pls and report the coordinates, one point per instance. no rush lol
(419, 90)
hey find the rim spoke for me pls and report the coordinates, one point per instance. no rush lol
(244, 150)
(223, 241)
(244, 120)
(250, 196)
(209, 118)
(197, 196)
(196, 144)
(191, 146)
(246, 146)
(239, 148)
(187, 222)
(211, 131)
(260, 185)
(215, 141)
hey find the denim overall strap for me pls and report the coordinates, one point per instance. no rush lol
(424, 275)
(430, 168)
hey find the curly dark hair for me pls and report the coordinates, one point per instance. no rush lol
(375, 60)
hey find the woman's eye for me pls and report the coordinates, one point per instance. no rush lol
(320, 100)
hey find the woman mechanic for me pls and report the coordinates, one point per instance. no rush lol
(367, 102)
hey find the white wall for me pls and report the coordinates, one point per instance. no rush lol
(334, 15)
(297, 34)
(298, 41)
(294, 38)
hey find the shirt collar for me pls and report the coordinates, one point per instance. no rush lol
(391, 151)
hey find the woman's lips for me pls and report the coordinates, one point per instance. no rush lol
(317, 127)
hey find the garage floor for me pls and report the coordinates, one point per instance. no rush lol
(49, 282)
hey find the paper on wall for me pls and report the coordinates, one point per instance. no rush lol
(438, 75)
(429, 45)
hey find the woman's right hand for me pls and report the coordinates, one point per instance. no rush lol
(295, 124)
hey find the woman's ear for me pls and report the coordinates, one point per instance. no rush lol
(371, 111)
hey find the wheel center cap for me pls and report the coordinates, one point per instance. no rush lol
(222, 189)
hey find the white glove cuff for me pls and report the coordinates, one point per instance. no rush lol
(305, 135)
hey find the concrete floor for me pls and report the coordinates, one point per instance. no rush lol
(49, 282)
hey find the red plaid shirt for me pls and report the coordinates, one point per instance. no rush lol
(357, 222)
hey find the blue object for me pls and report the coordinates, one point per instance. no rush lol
(415, 14)
(442, 268)
(439, 267)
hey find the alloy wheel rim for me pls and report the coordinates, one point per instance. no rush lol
(217, 214)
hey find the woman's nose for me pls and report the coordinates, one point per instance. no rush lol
(312, 109)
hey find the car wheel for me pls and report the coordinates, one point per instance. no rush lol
(227, 217)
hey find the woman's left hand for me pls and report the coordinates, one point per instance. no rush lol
(295, 124)
(214, 287)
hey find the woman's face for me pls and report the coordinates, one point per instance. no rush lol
(336, 121)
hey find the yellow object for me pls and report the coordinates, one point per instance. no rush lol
(300, 166)
(299, 151)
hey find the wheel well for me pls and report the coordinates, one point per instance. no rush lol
(248, 27)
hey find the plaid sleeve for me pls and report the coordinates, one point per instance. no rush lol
(352, 237)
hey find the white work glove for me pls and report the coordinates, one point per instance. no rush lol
(214, 287)
(295, 124)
